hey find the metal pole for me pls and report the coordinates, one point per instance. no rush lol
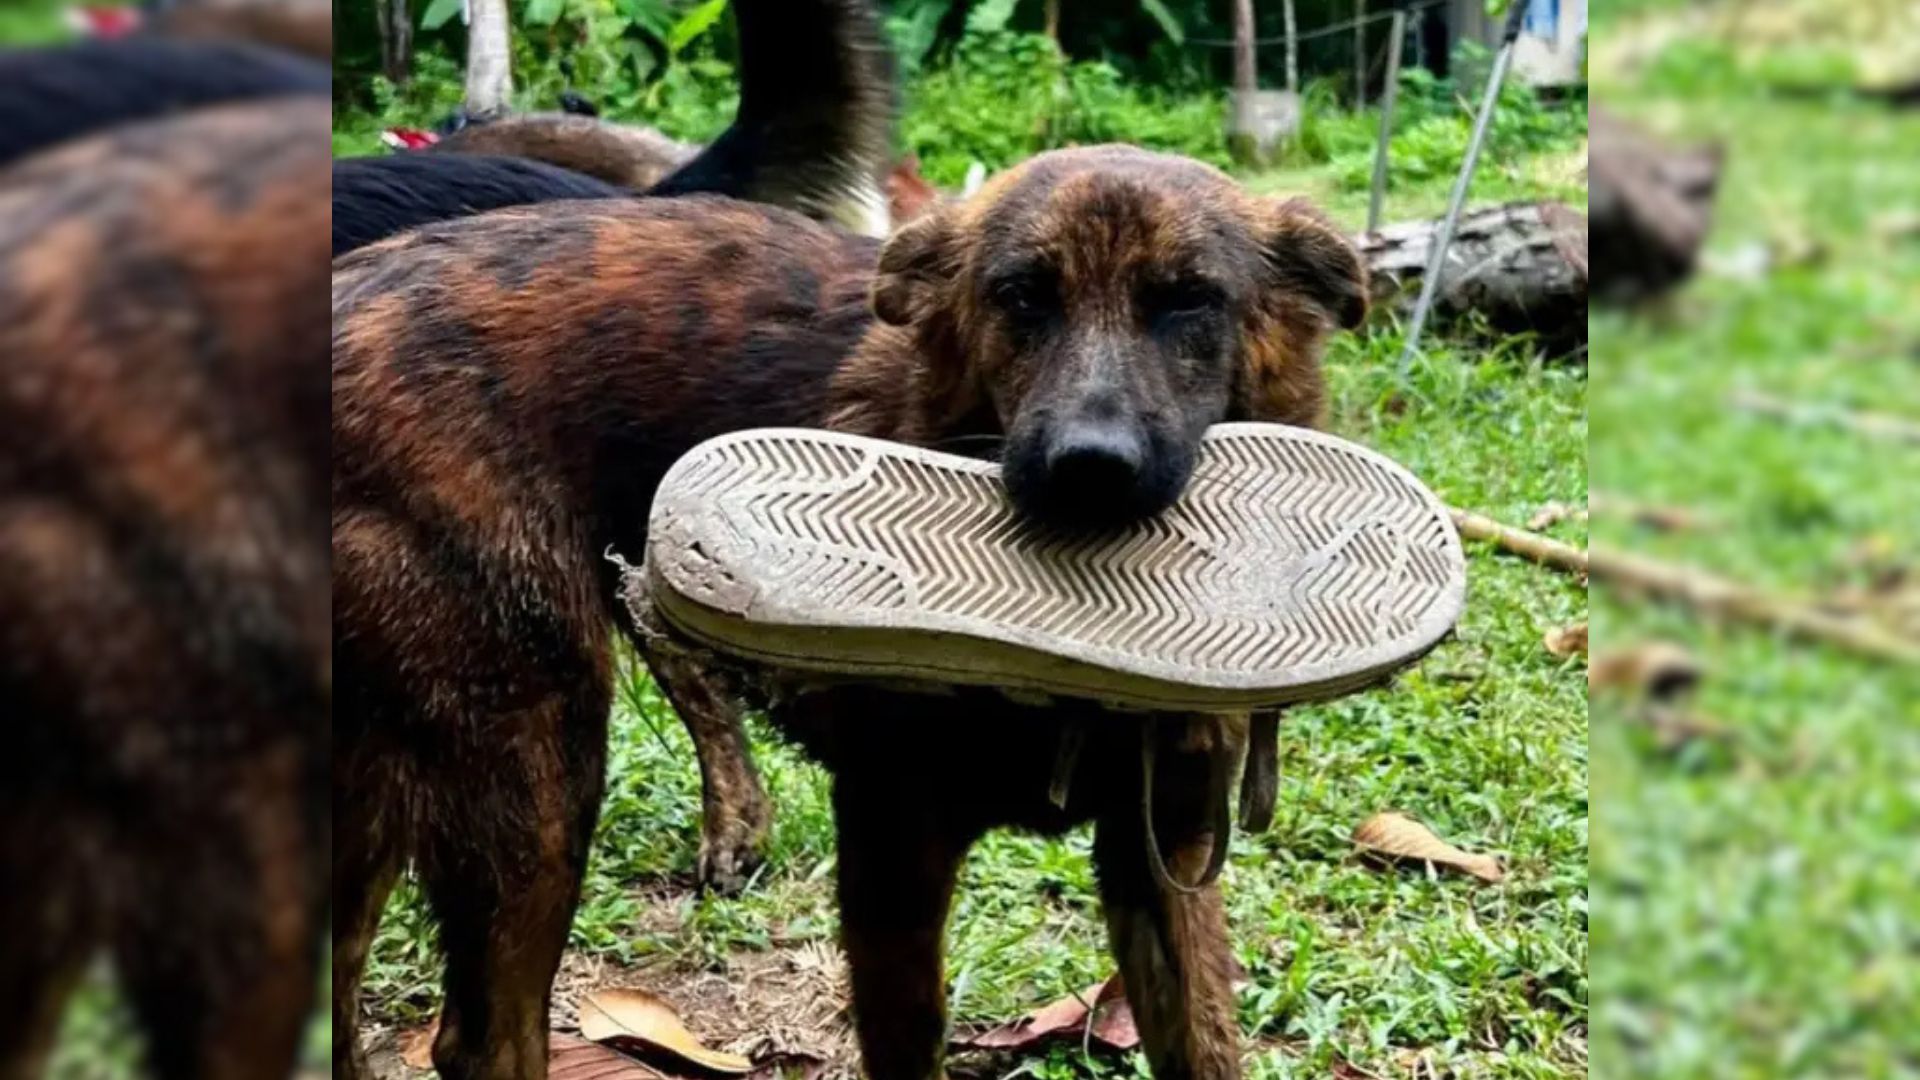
(1430, 284)
(1395, 33)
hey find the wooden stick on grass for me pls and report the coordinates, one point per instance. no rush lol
(1718, 598)
(1872, 425)
(1527, 545)
(1694, 589)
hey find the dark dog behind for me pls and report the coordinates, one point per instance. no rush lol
(374, 198)
(812, 134)
(165, 644)
(49, 96)
(627, 155)
(508, 391)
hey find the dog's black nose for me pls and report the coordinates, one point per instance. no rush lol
(1095, 460)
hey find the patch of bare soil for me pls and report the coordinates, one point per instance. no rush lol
(786, 1006)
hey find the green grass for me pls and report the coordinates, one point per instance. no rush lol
(1485, 741)
(1758, 897)
(30, 22)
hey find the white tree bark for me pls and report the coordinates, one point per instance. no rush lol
(489, 58)
(1242, 140)
(1293, 47)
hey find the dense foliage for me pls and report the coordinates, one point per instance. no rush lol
(985, 89)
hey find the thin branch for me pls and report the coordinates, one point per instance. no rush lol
(1872, 425)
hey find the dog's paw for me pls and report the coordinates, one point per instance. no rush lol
(732, 850)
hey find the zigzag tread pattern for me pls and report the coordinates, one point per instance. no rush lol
(1282, 553)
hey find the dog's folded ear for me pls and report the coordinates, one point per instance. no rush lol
(916, 263)
(1309, 258)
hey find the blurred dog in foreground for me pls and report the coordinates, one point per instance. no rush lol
(165, 647)
(50, 96)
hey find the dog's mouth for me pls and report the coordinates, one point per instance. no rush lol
(1091, 486)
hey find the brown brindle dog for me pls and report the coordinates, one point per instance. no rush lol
(509, 390)
(164, 630)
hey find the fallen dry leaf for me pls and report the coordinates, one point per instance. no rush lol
(1565, 641)
(1657, 670)
(639, 1022)
(570, 1057)
(1402, 837)
(1112, 1022)
(416, 1046)
(1099, 1012)
(1067, 1014)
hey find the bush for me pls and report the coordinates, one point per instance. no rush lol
(1001, 97)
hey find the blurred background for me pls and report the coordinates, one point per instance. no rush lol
(1755, 437)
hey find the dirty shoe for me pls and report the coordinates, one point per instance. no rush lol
(1296, 566)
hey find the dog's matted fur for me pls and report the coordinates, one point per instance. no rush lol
(164, 647)
(508, 391)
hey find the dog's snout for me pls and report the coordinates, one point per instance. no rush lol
(1099, 460)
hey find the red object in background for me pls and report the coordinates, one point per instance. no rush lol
(105, 23)
(908, 193)
(401, 138)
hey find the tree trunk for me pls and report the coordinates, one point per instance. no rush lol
(1359, 54)
(395, 19)
(1652, 204)
(1293, 47)
(1053, 23)
(1242, 140)
(1521, 266)
(489, 59)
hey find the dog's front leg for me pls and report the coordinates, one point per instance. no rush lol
(898, 864)
(735, 815)
(1172, 946)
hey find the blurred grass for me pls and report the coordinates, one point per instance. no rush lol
(30, 22)
(1759, 895)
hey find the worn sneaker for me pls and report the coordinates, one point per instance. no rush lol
(1296, 566)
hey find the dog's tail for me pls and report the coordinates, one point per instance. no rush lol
(815, 127)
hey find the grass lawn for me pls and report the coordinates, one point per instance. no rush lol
(1757, 894)
(1383, 971)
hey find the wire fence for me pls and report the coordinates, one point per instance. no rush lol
(1325, 31)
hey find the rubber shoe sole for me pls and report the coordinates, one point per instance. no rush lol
(1295, 567)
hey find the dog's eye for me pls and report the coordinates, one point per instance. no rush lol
(1181, 299)
(1025, 296)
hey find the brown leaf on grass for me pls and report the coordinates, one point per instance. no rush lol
(1068, 1013)
(570, 1057)
(641, 1023)
(1112, 1021)
(1569, 640)
(1098, 1013)
(416, 1046)
(1401, 837)
(1656, 670)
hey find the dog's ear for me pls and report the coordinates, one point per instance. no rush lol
(916, 263)
(1314, 283)
(1308, 258)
